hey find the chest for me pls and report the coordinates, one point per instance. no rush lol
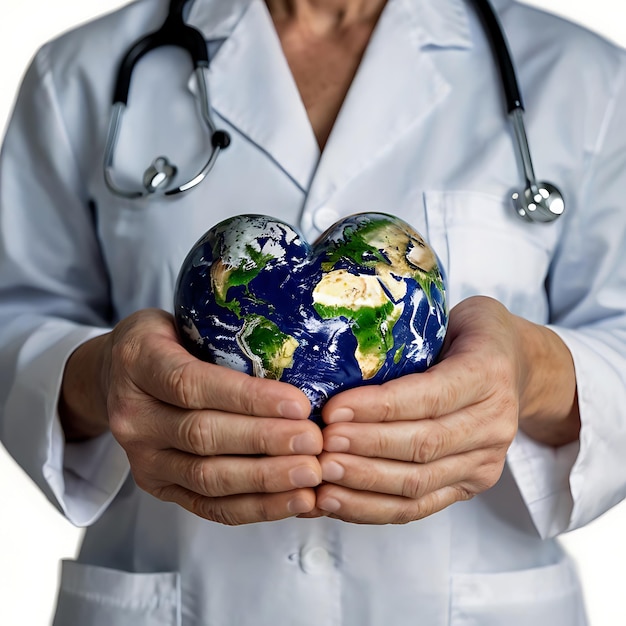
(323, 68)
(407, 139)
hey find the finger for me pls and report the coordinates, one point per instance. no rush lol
(150, 354)
(421, 441)
(198, 385)
(447, 387)
(210, 433)
(242, 509)
(362, 507)
(226, 476)
(475, 472)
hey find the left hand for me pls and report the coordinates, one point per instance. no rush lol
(408, 448)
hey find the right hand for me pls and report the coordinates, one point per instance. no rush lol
(224, 445)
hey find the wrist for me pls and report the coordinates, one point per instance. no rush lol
(82, 402)
(548, 410)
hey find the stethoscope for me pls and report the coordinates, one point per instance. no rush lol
(540, 201)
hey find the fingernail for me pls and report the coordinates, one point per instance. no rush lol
(304, 477)
(305, 443)
(329, 504)
(291, 409)
(341, 415)
(298, 505)
(337, 444)
(332, 471)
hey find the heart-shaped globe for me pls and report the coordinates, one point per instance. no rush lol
(366, 303)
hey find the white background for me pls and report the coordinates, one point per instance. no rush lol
(33, 536)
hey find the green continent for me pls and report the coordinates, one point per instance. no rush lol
(392, 251)
(270, 350)
(224, 277)
(373, 330)
(357, 247)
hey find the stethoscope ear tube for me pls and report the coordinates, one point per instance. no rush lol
(501, 52)
(173, 32)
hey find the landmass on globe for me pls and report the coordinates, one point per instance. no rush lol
(364, 304)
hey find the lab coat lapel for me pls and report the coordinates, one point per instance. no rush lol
(396, 88)
(252, 88)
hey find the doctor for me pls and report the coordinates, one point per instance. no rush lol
(434, 499)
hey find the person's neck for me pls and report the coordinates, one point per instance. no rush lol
(325, 17)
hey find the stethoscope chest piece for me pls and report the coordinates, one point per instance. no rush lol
(541, 202)
(159, 174)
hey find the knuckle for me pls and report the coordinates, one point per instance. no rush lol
(263, 512)
(120, 427)
(409, 513)
(387, 407)
(165, 493)
(141, 463)
(121, 412)
(126, 349)
(262, 437)
(248, 395)
(266, 478)
(414, 485)
(509, 427)
(227, 511)
(427, 449)
(142, 481)
(181, 385)
(214, 509)
(446, 396)
(463, 493)
(203, 478)
(490, 475)
(198, 435)
(367, 481)
(258, 481)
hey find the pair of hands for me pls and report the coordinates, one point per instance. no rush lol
(236, 449)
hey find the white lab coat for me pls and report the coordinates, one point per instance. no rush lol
(422, 134)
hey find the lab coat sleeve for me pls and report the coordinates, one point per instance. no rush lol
(565, 488)
(53, 297)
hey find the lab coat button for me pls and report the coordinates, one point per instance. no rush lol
(315, 559)
(324, 218)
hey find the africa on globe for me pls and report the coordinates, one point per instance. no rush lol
(366, 303)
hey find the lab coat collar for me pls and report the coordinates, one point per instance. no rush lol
(252, 88)
(441, 22)
(397, 87)
(217, 18)
(407, 85)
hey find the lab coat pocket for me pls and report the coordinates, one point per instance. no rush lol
(104, 597)
(543, 596)
(487, 249)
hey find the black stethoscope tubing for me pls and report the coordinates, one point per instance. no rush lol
(540, 201)
(174, 32)
(502, 54)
